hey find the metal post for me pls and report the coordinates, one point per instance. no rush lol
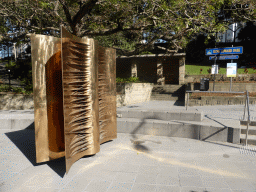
(9, 79)
(248, 118)
(214, 72)
(187, 101)
(245, 105)
(231, 77)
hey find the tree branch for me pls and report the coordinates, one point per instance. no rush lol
(85, 9)
(68, 16)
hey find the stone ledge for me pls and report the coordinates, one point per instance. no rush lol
(218, 100)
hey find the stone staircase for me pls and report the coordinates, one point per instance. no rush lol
(168, 92)
(251, 133)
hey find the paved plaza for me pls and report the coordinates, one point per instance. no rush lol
(153, 163)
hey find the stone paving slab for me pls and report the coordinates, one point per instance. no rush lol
(157, 164)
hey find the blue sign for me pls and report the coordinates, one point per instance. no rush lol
(226, 57)
(224, 51)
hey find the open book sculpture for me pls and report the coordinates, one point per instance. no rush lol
(74, 96)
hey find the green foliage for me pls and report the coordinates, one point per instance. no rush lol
(145, 53)
(4, 88)
(130, 80)
(22, 70)
(10, 66)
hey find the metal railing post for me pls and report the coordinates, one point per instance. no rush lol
(187, 101)
(245, 103)
(248, 118)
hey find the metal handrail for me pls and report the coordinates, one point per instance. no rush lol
(213, 92)
(248, 118)
(246, 106)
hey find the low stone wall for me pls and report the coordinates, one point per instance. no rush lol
(220, 77)
(12, 101)
(127, 94)
(237, 87)
(131, 93)
(218, 100)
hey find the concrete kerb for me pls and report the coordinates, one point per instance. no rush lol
(16, 121)
(162, 115)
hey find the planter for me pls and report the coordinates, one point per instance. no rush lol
(131, 93)
(220, 78)
(220, 86)
(217, 100)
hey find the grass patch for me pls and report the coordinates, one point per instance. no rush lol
(204, 70)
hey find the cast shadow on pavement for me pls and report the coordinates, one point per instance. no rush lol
(137, 143)
(25, 142)
(230, 131)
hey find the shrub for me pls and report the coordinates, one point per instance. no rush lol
(4, 88)
(130, 80)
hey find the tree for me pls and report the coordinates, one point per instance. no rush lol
(247, 37)
(122, 23)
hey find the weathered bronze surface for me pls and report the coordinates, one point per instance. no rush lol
(46, 67)
(80, 95)
(74, 96)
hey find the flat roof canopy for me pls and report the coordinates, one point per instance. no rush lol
(154, 55)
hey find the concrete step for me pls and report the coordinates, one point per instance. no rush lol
(164, 95)
(251, 139)
(164, 98)
(162, 115)
(192, 130)
(167, 92)
(252, 130)
(167, 86)
(16, 121)
(252, 123)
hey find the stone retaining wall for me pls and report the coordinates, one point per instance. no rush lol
(12, 101)
(220, 77)
(237, 87)
(131, 93)
(218, 100)
(127, 94)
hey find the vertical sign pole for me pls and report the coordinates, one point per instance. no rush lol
(231, 77)
(214, 72)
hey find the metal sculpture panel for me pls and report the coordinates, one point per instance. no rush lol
(107, 94)
(46, 72)
(74, 96)
(81, 103)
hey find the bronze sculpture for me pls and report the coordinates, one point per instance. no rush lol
(74, 96)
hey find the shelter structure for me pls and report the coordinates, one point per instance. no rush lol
(159, 69)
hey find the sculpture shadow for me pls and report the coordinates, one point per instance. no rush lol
(25, 141)
(137, 143)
